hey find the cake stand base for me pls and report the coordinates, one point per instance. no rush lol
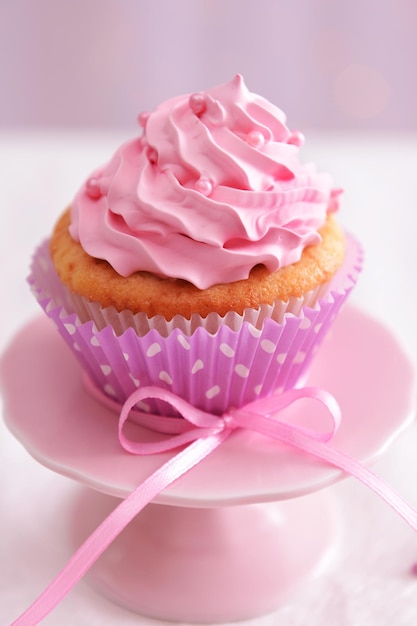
(208, 565)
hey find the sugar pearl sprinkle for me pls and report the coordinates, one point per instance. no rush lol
(297, 138)
(143, 118)
(92, 188)
(204, 186)
(255, 139)
(197, 103)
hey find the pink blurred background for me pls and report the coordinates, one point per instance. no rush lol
(328, 63)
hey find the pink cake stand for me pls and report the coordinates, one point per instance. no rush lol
(230, 539)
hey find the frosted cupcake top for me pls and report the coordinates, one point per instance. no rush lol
(212, 187)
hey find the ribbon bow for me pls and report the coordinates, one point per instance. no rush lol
(196, 434)
(194, 424)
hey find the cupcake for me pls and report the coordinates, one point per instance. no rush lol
(204, 257)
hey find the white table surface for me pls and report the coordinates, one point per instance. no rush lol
(368, 581)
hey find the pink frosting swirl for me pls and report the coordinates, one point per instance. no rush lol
(212, 188)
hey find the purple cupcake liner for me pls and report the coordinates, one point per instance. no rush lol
(221, 363)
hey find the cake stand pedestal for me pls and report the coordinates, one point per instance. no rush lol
(230, 539)
(207, 565)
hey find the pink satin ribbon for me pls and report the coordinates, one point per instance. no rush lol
(197, 434)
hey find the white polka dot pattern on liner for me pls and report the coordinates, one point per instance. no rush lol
(134, 380)
(142, 406)
(241, 370)
(227, 350)
(267, 346)
(198, 365)
(212, 392)
(165, 377)
(182, 340)
(109, 390)
(299, 357)
(155, 348)
(221, 371)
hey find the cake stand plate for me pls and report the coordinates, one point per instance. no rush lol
(65, 428)
(191, 545)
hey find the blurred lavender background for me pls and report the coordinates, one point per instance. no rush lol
(330, 64)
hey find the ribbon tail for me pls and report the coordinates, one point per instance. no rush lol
(358, 470)
(302, 439)
(112, 526)
(377, 484)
